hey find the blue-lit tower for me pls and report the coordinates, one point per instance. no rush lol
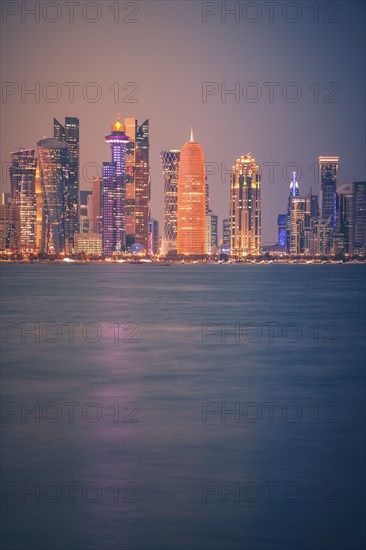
(114, 192)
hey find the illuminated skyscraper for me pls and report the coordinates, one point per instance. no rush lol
(94, 206)
(153, 237)
(297, 225)
(69, 133)
(294, 192)
(191, 230)
(114, 192)
(211, 233)
(39, 209)
(9, 224)
(245, 208)
(170, 165)
(328, 172)
(109, 207)
(351, 218)
(23, 190)
(281, 226)
(359, 217)
(137, 183)
(226, 236)
(53, 158)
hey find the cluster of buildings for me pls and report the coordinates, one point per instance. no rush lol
(333, 223)
(46, 213)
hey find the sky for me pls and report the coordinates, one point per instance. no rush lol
(297, 70)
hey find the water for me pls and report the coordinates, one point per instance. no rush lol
(295, 447)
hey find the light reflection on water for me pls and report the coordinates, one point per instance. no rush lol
(169, 373)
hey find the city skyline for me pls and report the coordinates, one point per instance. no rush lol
(326, 120)
(131, 123)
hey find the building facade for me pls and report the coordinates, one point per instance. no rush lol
(89, 243)
(191, 228)
(53, 158)
(245, 208)
(23, 191)
(69, 133)
(170, 166)
(114, 192)
(328, 173)
(138, 185)
(9, 224)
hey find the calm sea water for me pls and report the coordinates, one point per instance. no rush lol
(151, 457)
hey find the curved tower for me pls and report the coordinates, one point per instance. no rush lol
(191, 230)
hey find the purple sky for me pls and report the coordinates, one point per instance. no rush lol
(169, 53)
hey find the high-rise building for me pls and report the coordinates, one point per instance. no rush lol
(328, 172)
(351, 219)
(294, 192)
(153, 237)
(69, 133)
(138, 192)
(23, 190)
(39, 209)
(281, 230)
(324, 231)
(211, 233)
(359, 218)
(245, 208)
(343, 238)
(191, 229)
(53, 158)
(114, 192)
(170, 166)
(109, 207)
(9, 224)
(297, 225)
(226, 236)
(84, 197)
(95, 206)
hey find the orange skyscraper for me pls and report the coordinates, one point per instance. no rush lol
(191, 226)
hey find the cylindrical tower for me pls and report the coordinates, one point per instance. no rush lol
(191, 239)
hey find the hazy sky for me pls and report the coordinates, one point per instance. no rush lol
(168, 53)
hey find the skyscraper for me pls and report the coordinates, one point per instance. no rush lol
(281, 227)
(54, 156)
(95, 206)
(344, 231)
(137, 183)
(245, 208)
(211, 232)
(191, 230)
(294, 192)
(39, 209)
(69, 133)
(109, 208)
(328, 172)
(226, 236)
(9, 224)
(170, 166)
(114, 192)
(297, 225)
(23, 190)
(359, 217)
(153, 237)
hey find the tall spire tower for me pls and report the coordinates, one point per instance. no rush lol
(114, 192)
